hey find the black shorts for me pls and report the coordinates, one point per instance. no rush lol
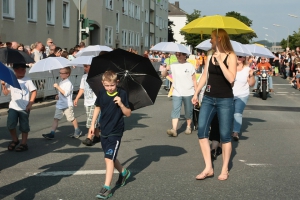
(110, 146)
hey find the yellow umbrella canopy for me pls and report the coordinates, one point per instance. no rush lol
(205, 25)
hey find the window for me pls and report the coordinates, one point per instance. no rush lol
(130, 35)
(66, 13)
(143, 4)
(109, 4)
(124, 37)
(157, 21)
(146, 43)
(137, 39)
(125, 7)
(108, 35)
(142, 29)
(129, 8)
(32, 10)
(156, 40)
(117, 22)
(160, 23)
(8, 8)
(50, 12)
(147, 16)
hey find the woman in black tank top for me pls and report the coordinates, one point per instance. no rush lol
(219, 74)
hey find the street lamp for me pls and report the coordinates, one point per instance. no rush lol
(274, 34)
(295, 16)
(288, 33)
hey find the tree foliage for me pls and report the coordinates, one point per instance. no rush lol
(242, 38)
(193, 39)
(170, 31)
(294, 41)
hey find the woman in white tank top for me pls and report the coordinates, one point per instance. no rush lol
(243, 80)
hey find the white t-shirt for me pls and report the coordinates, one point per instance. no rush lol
(182, 79)
(241, 86)
(89, 95)
(65, 101)
(20, 98)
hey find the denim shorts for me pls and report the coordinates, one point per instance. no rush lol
(223, 107)
(18, 115)
(188, 107)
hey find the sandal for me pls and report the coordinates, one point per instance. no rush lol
(223, 177)
(22, 147)
(235, 137)
(203, 175)
(12, 145)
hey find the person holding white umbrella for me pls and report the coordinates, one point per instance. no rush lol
(89, 98)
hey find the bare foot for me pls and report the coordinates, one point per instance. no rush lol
(223, 176)
(203, 175)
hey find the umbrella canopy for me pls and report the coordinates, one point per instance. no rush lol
(8, 55)
(93, 50)
(205, 25)
(8, 76)
(259, 51)
(80, 61)
(238, 48)
(49, 64)
(170, 47)
(136, 75)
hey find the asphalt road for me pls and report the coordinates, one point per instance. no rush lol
(265, 162)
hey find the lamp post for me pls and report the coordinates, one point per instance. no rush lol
(79, 20)
(274, 34)
(288, 33)
(295, 16)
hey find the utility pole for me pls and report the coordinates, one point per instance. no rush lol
(79, 20)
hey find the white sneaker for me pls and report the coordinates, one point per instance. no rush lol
(188, 130)
(172, 132)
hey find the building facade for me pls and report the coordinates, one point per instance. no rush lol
(29, 21)
(126, 24)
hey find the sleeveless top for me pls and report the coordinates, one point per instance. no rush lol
(217, 85)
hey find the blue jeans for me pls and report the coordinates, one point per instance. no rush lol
(239, 106)
(269, 79)
(188, 107)
(223, 107)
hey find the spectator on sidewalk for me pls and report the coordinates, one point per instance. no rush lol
(36, 53)
(49, 42)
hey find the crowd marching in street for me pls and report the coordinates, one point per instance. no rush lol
(217, 82)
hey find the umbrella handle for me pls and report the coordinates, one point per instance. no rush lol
(54, 81)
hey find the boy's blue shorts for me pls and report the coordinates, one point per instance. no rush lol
(15, 116)
(110, 146)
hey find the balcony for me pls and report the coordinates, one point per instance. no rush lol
(151, 27)
(152, 5)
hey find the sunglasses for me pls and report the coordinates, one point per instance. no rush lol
(62, 73)
(240, 56)
(263, 59)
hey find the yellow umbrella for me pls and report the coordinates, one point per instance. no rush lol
(259, 45)
(205, 25)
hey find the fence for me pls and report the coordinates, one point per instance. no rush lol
(44, 81)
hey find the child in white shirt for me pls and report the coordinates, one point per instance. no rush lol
(64, 105)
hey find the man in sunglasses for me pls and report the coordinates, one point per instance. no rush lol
(264, 65)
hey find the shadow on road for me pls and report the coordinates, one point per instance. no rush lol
(32, 185)
(133, 121)
(147, 155)
(247, 121)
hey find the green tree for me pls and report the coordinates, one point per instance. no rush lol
(170, 31)
(242, 38)
(193, 39)
(294, 41)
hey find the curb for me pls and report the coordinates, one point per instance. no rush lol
(3, 111)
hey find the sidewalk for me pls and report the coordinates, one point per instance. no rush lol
(3, 111)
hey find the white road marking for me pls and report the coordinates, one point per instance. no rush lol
(242, 160)
(68, 173)
(257, 164)
(281, 84)
(281, 92)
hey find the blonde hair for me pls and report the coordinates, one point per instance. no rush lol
(68, 70)
(225, 40)
(110, 76)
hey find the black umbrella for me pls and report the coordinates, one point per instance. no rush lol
(8, 55)
(136, 74)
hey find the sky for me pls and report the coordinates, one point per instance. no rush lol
(263, 13)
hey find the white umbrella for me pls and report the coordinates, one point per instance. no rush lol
(238, 48)
(170, 47)
(80, 61)
(49, 64)
(259, 51)
(93, 50)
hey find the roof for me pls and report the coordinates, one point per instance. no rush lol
(174, 9)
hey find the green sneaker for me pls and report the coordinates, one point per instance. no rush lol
(104, 194)
(122, 179)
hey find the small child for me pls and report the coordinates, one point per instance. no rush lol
(89, 103)
(113, 103)
(19, 107)
(64, 105)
